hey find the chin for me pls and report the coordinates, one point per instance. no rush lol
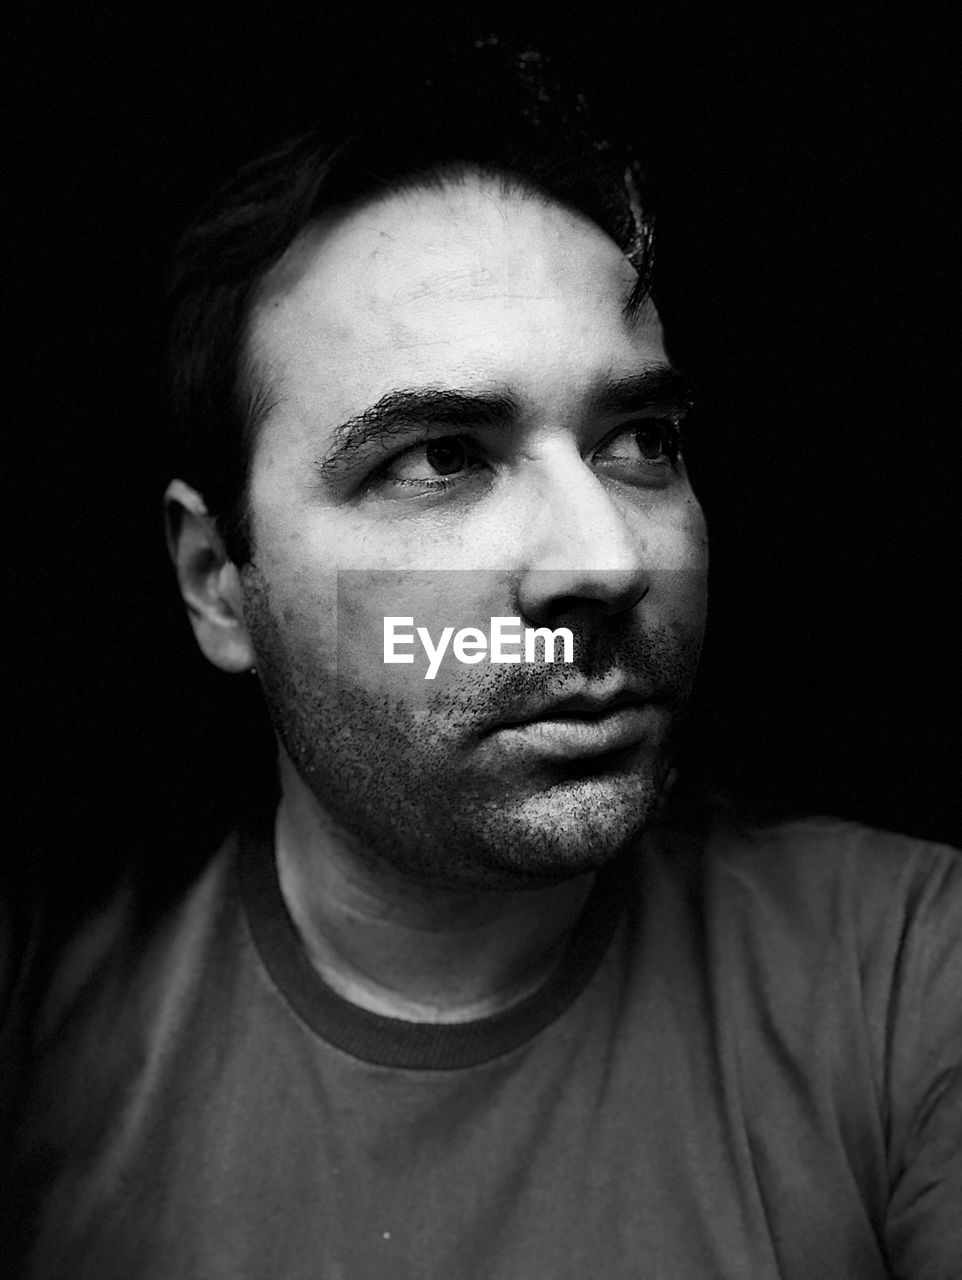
(575, 827)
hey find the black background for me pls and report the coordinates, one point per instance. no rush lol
(804, 161)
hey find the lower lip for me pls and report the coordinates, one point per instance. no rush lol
(571, 738)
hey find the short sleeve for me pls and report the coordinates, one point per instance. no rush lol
(923, 1226)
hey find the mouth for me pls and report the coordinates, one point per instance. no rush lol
(580, 726)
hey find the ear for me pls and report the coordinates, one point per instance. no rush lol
(209, 581)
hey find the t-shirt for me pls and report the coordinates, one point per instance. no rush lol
(747, 1065)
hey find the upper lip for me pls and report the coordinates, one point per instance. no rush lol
(583, 704)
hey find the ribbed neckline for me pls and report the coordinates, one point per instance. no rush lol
(395, 1042)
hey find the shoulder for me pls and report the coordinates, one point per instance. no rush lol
(19, 930)
(144, 938)
(108, 1001)
(822, 869)
(836, 958)
(843, 924)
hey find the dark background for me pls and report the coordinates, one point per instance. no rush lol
(803, 162)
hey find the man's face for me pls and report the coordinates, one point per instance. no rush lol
(467, 425)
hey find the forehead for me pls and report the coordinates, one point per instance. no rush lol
(468, 284)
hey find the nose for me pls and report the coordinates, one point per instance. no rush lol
(583, 552)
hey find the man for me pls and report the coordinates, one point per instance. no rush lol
(480, 995)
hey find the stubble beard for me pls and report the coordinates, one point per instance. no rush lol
(397, 785)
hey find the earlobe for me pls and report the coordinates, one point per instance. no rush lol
(209, 581)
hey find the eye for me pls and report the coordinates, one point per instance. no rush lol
(657, 440)
(433, 463)
(446, 456)
(651, 443)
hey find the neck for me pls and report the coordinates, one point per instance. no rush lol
(402, 948)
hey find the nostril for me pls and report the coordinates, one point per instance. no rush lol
(548, 595)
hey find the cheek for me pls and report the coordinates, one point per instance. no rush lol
(436, 601)
(678, 550)
(292, 609)
(693, 533)
(669, 533)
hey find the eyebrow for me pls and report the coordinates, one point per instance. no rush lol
(400, 410)
(660, 386)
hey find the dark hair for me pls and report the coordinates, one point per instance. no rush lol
(501, 113)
